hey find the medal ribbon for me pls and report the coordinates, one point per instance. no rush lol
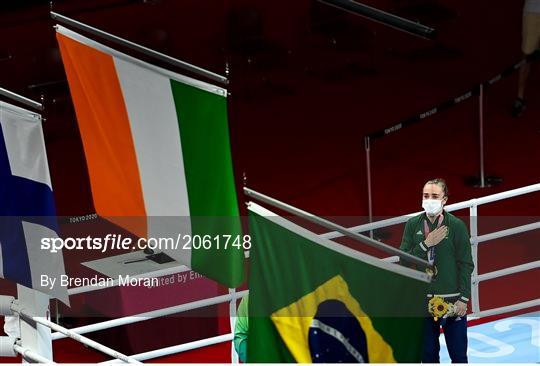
(431, 250)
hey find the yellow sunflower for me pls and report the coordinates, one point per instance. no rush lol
(437, 307)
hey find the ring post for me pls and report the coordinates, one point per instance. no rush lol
(482, 181)
(232, 317)
(368, 169)
(7, 346)
(34, 336)
(475, 291)
(481, 120)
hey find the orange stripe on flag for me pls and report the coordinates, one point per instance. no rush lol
(106, 135)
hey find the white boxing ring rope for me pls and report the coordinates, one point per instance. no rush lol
(80, 338)
(153, 314)
(508, 271)
(28, 354)
(179, 348)
(473, 204)
(453, 207)
(508, 232)
(506, 309)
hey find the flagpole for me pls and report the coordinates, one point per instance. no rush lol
(144, 50)
(335, 227)
(380, 16)
(19, 98)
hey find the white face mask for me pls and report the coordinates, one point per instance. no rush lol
(432, 207)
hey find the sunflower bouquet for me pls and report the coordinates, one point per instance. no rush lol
(440, 308)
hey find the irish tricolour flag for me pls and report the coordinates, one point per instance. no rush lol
(157, 148)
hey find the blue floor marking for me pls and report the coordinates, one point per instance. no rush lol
(510, 340)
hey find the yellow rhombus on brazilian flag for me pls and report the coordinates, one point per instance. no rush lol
(313, 300)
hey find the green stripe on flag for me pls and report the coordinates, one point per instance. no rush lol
(204, 132)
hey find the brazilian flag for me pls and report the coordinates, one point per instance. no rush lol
(315, 301)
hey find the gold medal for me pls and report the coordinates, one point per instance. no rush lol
(432, 272)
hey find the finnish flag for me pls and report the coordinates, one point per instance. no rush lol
(27, 210)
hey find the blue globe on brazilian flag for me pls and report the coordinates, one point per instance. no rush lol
(329, 326)
(316, 301)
